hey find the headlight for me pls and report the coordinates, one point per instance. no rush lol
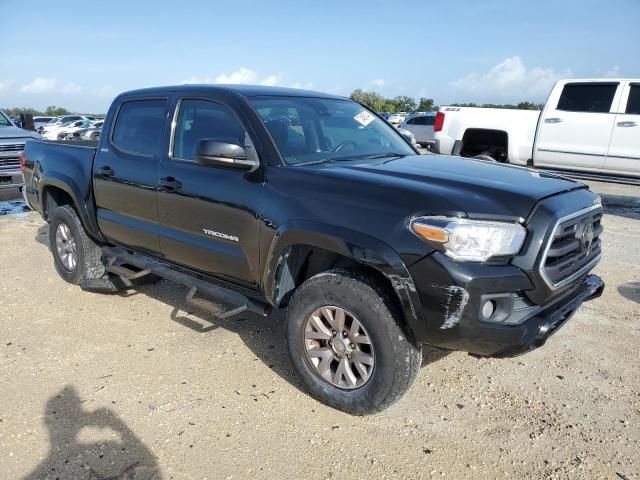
(470, 240)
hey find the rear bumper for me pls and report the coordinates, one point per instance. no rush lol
(452, 296)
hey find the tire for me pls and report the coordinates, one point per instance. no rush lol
(95, 136)
(88, 262)
(396, 360)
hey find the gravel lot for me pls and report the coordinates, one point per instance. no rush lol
(135, 386)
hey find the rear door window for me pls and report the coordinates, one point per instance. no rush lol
(139, 126)
(587, 97)
(633, 103)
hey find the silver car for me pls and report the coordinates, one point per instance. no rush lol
(421, 125)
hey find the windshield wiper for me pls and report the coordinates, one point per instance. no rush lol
(353, 157)
(387, 155)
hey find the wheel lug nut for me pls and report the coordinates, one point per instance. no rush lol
(353, 345)
(334, 332)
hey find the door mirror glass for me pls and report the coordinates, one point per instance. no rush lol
(408, 135)
(223, 154)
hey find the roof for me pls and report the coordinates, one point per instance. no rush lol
(244, 90)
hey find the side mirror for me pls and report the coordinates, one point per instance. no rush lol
(408, 135)
(223, 154)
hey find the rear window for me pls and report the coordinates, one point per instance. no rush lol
(587, 97)
(139, 126)
(633, 104)
(425, 120)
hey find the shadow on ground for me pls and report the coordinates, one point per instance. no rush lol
(630, 291)
(626, 206)
(92, 445)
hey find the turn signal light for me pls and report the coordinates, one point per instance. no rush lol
(429, 232)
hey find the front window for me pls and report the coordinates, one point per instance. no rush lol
(322, 129)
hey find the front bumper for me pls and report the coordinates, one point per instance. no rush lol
(452, 296)
(11, 180)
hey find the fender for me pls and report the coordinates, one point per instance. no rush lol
(358, 246)
(82, 203)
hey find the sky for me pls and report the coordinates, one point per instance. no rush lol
(79, 55)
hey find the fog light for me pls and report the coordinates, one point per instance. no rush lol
(488, 308)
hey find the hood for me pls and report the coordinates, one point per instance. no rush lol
(475, 187)
(15, 132)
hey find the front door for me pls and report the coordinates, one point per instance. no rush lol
(575, 132)
(126, 174)
(624, 151)
(209, 214)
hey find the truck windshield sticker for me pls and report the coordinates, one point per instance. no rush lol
(364, 118)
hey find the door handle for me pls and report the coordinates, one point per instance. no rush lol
(553, 120)
(106, 172)
(170, 184)
(627, 124)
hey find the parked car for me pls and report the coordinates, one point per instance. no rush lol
(55, 132)
(91, 133)
(585, 126)
(396, 119)
(67, 132)
(372, 249)
(41, 121)
(421, 125)
(12, 140)
(51, 129)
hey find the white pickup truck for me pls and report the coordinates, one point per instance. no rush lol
(590, 126)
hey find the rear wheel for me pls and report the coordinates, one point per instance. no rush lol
(347, 345)
(95, 136)
(76, 257)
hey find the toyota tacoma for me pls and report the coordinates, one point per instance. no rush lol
(263, 198)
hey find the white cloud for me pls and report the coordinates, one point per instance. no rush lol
(378, 83)
(239, 77)
(39, 85)
(244, 75)
(613, 72)
(508, 81)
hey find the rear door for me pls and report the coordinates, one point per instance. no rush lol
(576, 125)
(624, 151)
(209, 214)
(126, 174)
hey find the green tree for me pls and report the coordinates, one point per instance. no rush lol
(53, 111)
(373, 100)
(427, 105)
(404, 103)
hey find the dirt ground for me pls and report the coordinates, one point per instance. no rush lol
(133, 386)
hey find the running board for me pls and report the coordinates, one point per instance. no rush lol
(236, 301)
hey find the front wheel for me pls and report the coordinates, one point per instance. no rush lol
(75, 255)
(346, 343)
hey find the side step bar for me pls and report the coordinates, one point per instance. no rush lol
(236, 301)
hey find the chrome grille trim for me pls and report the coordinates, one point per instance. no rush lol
(584, 269)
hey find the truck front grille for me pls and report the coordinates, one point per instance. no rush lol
(574, 247)
(14, 147)
(9, 164)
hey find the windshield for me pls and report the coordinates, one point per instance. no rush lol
(321, 129)
(4, 121)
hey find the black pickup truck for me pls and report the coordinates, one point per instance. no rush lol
(259, 198)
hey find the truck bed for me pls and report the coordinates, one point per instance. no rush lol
(67, 162)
